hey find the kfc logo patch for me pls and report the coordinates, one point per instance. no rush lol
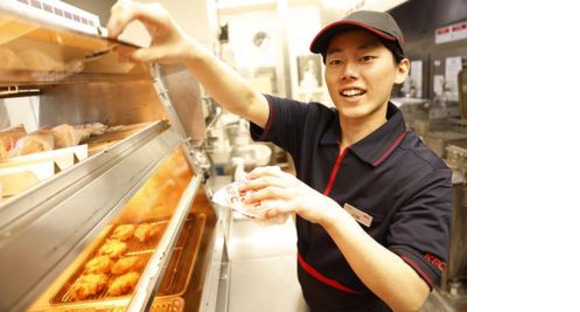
(436, 262)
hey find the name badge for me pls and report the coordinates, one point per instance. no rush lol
(360, 216)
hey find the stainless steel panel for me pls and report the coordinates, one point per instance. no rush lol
(185, 97)
(211, 284)
(216, 285)
(457, 261)
(45, 245)
(153, 273)
(109, 103)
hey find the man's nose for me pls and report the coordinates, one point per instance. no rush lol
(350, 71)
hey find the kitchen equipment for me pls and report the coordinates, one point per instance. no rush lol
(456, 273)
(462, 90)
(457, 157)
(416, 113)
(148, 167)
(439, 140)
(254, 155)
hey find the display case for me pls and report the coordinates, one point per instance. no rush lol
(116, 170)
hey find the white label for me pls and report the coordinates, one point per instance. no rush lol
(361, 217)
(450, 33)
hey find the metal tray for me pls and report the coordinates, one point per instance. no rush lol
(182, 261)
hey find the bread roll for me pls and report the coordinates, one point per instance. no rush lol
(8, 138)
(38, 141)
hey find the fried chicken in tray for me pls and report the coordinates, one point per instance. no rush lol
(148, 231)
(123, 232)
(113, 248)
(127, 264)
(123, 284)
(100, 264)
(88, 285)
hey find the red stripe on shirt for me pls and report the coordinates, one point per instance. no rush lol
(335, 170)
(332, 283)
(391, 148)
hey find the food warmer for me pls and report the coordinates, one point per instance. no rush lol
(147, 172)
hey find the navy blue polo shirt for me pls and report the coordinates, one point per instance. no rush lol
(390, 175)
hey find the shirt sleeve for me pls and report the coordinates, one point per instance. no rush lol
(420, 231)
(285, 125)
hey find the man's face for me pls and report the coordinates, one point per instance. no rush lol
(360, 72)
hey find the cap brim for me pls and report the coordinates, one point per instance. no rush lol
(322, 39)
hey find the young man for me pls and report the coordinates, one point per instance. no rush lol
(373, 204)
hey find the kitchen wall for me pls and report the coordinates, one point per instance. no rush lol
(418, 20)
(255, 47)
(305, 24)
(289, 25)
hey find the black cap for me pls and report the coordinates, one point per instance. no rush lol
(379, 23)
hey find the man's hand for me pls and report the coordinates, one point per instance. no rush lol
(169, 43)
(270, 183)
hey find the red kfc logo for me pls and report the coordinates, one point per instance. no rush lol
(442, 266)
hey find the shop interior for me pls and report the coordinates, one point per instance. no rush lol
(104, 158)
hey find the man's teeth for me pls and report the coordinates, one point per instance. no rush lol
(352, 92)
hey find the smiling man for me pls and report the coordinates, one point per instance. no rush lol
(373, 203)
(359, 162)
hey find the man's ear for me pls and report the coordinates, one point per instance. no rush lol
(402, 71)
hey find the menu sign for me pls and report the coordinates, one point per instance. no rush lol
(451, 33)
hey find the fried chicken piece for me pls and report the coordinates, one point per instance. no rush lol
(101, 264)
(123, 232)
(147, 231)
(141, 233)
(123, 284)
(127, 264)
(113, 248)
(88, 285)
